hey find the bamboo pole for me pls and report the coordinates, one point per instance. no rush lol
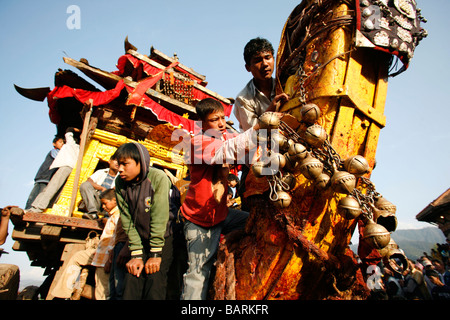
(83, 139)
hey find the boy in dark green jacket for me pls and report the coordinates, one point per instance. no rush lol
(143, 199)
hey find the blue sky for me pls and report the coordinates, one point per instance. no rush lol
(209, 36)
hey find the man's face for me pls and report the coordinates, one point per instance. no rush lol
(129, 169)
(261, 65)
(215, 121)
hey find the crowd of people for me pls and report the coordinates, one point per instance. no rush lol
(426, 278)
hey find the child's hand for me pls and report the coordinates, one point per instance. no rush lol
(135, 266)
(152, 265)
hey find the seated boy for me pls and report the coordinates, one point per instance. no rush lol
(98, 182)
(97, 256)
(143, 198)
(205, 211)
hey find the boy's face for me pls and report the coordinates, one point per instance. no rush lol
(215, 121)
(58, 144)
(261, 65)
(108, 205)
(113, 164)
(129, 169)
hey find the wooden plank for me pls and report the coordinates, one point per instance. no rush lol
(25, 235)
(61, 220)
(84, 136)
(51, 233)
(159, 54)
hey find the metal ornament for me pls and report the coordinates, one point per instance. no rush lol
(257, 168)
(343, 182)
(311, 167)
(349, 208)
(269, 120)
(310, 113)
(290, 163)
(385, 218)
(284, 199)
(297, 151)
(357, 165)
(315, 135)
(392, 245)
(376, 235)
(391, 259)
(383, 204)
(322, 181)
(289, 180)
(275, 161)
(280, 140)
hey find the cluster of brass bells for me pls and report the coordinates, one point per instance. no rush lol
(313, 156)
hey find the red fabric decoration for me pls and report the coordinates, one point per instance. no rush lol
(152, 71)
(98, 97)
(164, 114)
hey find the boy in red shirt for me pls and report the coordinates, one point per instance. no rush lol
(205, 211)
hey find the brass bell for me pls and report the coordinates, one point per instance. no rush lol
(310, 113)
(392, 245)
(349, 208)
(322, 181)
(315, 135)
(396, 260)
(284, 199)
(290, 163)
(383, 204)
(343, 182)
(275, 162)
(385, 218)
(311, 167)
(356, 165)
(279, 140)
(257, 168)
(289, 180)
(376, 235)
(269, 120)
(297, 151)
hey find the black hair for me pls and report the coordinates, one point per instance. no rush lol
(232, 177)
(108, 194)
(207, 106)
(256, 46)
(56, 138)
(127, 150)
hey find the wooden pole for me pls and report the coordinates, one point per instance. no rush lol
(83, 139)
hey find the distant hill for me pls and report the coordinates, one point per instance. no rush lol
(415, 241)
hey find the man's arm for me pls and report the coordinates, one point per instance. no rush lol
(244, 111)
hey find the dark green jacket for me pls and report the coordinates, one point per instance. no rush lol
(144, 206)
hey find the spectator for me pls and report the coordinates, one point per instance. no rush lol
(44, 173)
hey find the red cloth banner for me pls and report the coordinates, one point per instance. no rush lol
(164, 114)
(98, 97)
(151, 71)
